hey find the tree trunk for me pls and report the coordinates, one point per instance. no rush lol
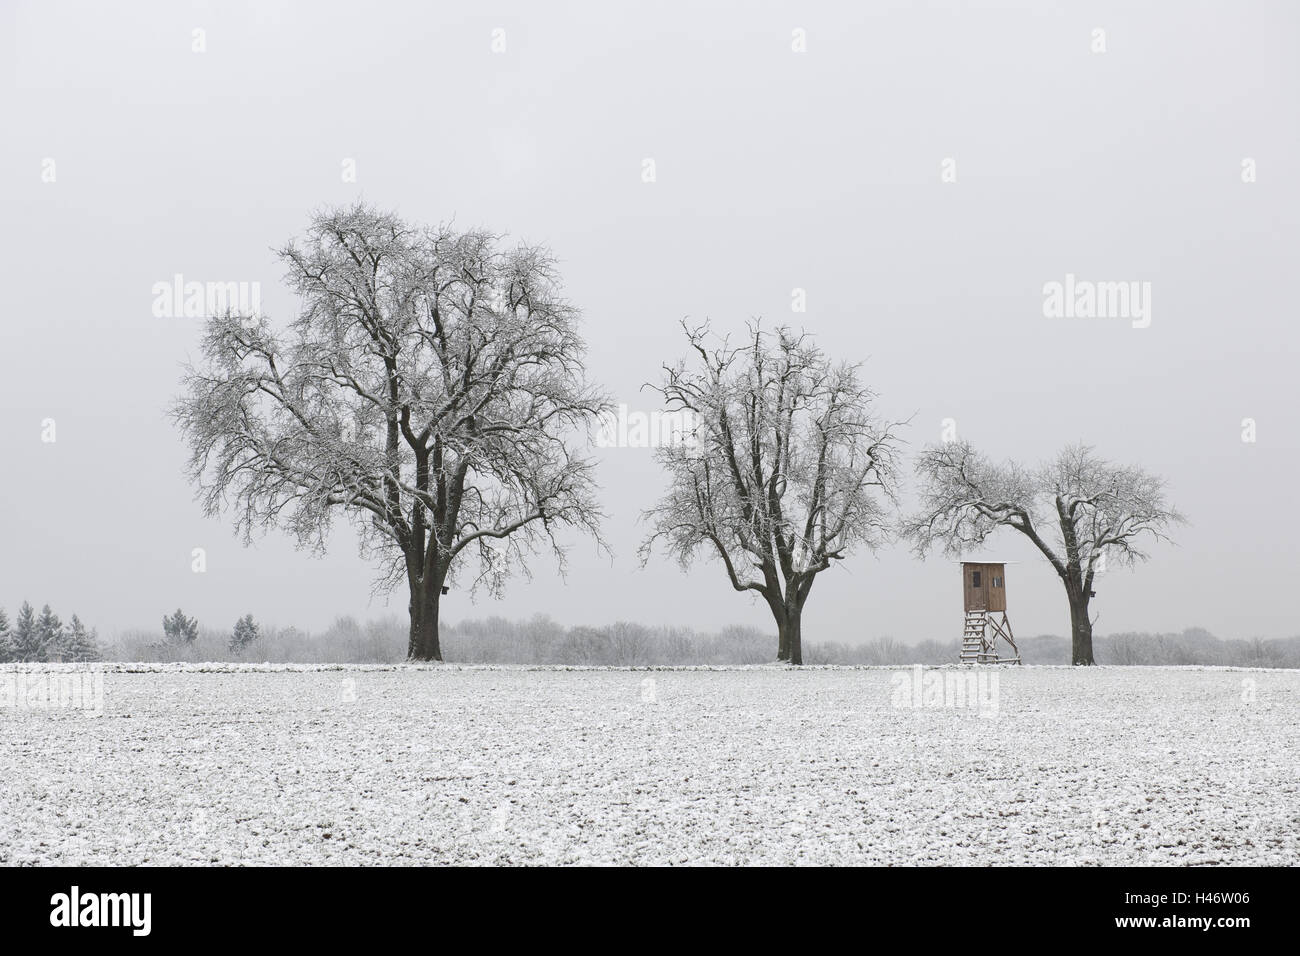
(794, 635)
(1080, 626)
(789, 648)
(782, 638)
(426, 593)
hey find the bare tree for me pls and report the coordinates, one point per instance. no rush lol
(1079, 510)
(431, 389)
(784, 471)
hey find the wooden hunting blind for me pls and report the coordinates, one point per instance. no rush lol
(984, 599)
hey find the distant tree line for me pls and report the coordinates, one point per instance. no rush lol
(541, 640)
(44, 638)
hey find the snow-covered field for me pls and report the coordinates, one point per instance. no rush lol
(444, 764)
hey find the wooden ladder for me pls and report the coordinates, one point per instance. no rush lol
(974, 649)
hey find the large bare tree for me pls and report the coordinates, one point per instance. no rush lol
(785, 469)
(431, 389)
(1080, 511)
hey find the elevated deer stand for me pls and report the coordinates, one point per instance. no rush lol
(984, 590)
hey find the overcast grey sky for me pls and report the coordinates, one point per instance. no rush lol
(775, 170)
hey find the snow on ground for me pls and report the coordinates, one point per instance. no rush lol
(427, 765)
